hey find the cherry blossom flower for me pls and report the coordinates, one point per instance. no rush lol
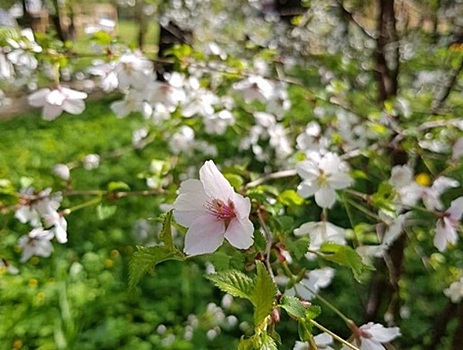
(321, 232)
(312, 283)
(91, 161)
(133, 102)
(212, 211)
(62, 171)
(36, 243)
(321, 177)
(455, 291)
(54, 102)
(446, 227)
(254, 88)
(134, 70)
(372, 336)
(182, 140)
(322, 340)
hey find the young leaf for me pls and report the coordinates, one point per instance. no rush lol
(105, 211)
(344, 255)
(233, 282)
(298, 248)
(263, 294)
(148, 257)
(293, 306)
(166, 232)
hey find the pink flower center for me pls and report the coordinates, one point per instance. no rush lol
(222, 211)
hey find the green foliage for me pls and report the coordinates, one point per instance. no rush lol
(263, 294)
(233, 282)
(293, 306)
(345, 256)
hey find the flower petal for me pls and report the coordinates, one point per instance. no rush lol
(38, 98)
(239, 233)
(325, 197)
(380, 333)
(74, 106)
(204, 236)
(215, 184)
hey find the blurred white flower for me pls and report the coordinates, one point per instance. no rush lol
(62, 171)
(182, 140)
(321, 232)
(217, 123)
(312, 283)
(133, 69)
(372, 336)
(36, 243)
(322, 340)
(455, 291)
(54, 102)
(446, 227)
(133, 102)
(322, 175)
(91, 161)
(212, 211)
(255, 88)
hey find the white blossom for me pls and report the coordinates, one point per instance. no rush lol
(322, 175)
(455, 291)
(54, 102)
(36, 243)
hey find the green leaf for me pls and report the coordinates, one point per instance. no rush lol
(304, 326)
(267, 342)
(290, 198)
(298, 248)
(259, 241)
(344, 255)
(312, 312)
(304, 329)
(235, 180)
(263, 294)
(233, 282)
(114, 186)
(293, 306)
(245, 344)
(146, 258)
(105, 211)
(166, 232)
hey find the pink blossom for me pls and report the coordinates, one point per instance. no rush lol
(212, 211)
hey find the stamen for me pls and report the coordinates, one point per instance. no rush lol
(221, 210)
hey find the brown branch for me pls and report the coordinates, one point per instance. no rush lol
(439, 327)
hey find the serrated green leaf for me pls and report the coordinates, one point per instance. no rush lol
(293, 306)
(233, 282)
(298, 248)
(312, 312)
(259, 241)
(166, 232)
(114, 186)
(105, 211)
(267, 342)
(245, 344)
(263, 294)
(148, 257)
(344, 255)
